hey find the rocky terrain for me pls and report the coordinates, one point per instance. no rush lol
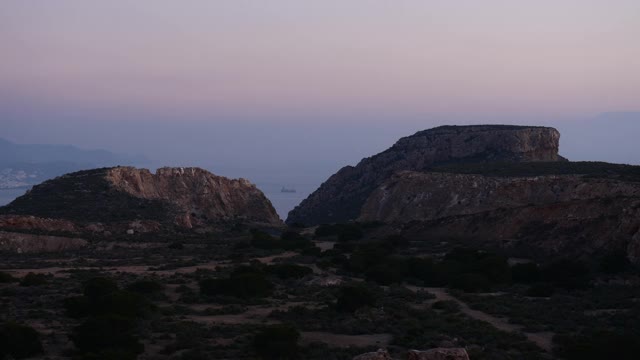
(136, 200)
(342, 196)
(559, 215)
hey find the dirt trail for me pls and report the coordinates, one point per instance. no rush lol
(142, 269)
(542, 339)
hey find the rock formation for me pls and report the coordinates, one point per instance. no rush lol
(381, 354)
(137, 198)
(439, 354)
(411, 196)
(594, 211)
(342, 196)
(28, 243)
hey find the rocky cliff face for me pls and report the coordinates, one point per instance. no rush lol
(342, 196)
(184, 197)
(412, 196)
(571, 215)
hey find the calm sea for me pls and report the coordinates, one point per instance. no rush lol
(284, 202)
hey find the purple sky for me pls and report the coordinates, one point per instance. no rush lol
(278, 89)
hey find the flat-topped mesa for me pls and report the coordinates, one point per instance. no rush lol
(186, 197)
(342, 196)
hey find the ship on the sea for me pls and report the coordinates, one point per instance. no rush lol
(287, 190)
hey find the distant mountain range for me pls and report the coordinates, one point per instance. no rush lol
(24, 165)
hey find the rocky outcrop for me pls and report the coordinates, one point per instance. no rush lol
(342, 196)
(411, 196)
(439, 354)
(16, 222)
(381, 354)
(200, 195)
(568, 215)
(182, 197)
(27, 243)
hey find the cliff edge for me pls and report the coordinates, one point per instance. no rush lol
(342, 196)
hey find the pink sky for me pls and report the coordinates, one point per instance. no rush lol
(559, 57)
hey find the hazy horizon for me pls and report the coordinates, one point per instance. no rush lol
(288, 92)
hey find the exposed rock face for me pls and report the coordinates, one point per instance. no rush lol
(439, 354)
(381, 354)
(342, 196)
(411, 196)
(14, 222)
(200, 194)
(28, 243)
(184, 197)
(571, 215)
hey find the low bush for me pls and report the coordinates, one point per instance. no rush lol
(102, 296)
(289, 271)
(146, 287)
(353, 297)
(446, 306)
(526, 273)
(6, 278)
(32, 279)
(241, 284)
(598, 344)
(107, 337)
(19, 341)
(540, 290)
(277, 342)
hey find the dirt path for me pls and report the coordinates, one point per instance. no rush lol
(542, 339)
(142, 269)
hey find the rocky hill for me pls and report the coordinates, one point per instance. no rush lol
(182, 197)
(342, 196)
(569, 209)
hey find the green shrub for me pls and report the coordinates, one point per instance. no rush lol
(107, 337)
(262, 240)
(98, 287)
(102, 296)
(354, 297)
(386, 273)
(6, 278)
(614, 263)
(350, 232)
(289, 271)
(540, 290)
(19, 341)
(526, 273)
(447, 306)
(241, 283)
(147, 287)
(344, 232)
(277, 342)
(568, 274)
(471, 282)
(77, 306)
(596, 345)
(32, 279)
